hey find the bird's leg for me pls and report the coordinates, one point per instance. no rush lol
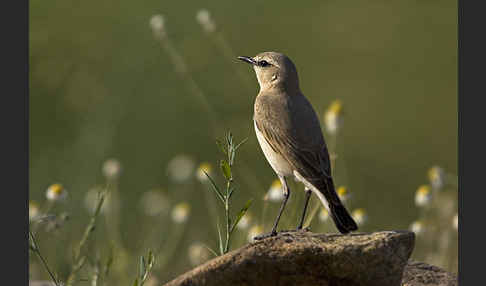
(286, 193)
(308, 194)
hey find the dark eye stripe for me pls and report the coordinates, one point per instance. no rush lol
(263, 63)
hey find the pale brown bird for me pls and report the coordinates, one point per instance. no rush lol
(290, 136)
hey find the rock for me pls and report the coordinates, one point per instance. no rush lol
(305, 258)
(422, 274)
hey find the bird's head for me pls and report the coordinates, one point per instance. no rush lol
(274, 70)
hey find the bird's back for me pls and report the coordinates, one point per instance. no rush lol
(290, 116)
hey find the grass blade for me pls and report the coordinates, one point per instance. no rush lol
(142, 269)
(231, 190)
(221, 246)
(221, 146)
(211, 250)
(151, 259)
(215, 188)
(241, 214)
(241, 143)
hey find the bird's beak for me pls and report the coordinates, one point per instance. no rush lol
(249, 60)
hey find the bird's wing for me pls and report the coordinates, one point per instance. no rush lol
(301, 143)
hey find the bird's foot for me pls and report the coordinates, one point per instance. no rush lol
(305, 229)
(265, 235)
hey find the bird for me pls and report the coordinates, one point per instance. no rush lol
(289, 134)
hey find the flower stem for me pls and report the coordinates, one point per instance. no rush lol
(35, 248)
(228, 221)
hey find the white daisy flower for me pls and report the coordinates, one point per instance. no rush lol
(244, 222)
(181, 212)
(417, 227)
(111, 169)
(203, 17)
(34, 210)
(56, 193)
(359, 216)
(181, 168)
(333, 119)
(275, 193)
(437, 177)
(157, 23)
(343, 193)
(154, 202)
(323, 215)
(423, 196)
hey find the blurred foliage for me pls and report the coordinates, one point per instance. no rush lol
(101, 87)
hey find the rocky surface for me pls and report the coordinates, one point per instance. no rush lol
(423, 274)
(306, 258)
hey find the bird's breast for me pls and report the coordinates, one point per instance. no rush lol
(278, 163)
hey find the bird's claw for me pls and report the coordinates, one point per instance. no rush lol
(265, 235)
(304, 229)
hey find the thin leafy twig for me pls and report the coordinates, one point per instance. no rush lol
(78, 259)
(229, 149)
(181, 68)
(96, 273)
(34, 247)
(108, 264)
(144, 269)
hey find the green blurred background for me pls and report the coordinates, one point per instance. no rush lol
(101, 86)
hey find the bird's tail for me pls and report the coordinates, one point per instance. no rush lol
(342, 219)
(323, 187)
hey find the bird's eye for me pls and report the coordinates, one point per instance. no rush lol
(263, 63)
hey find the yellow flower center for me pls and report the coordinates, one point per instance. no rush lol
(276, 184)
(336, 107)
(56, 189)
(359, 212)
(434, 173)
(342, 191)
(423, 190)
(206, 167)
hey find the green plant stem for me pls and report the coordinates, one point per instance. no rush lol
(228, 222)
(35, 248)
(45, 215)
(78, 259)
(227, 227)
(112, 223)
(181, 69)
(96, 274)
